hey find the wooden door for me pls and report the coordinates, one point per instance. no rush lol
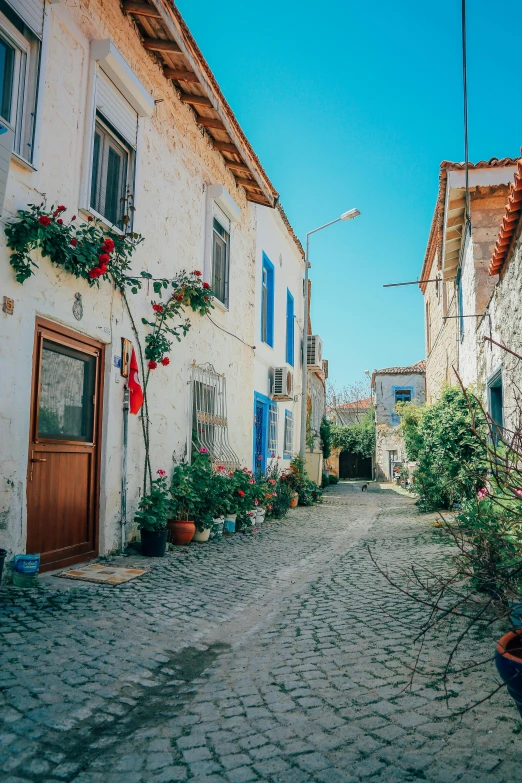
(63, 474)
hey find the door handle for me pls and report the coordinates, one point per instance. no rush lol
(38, 460)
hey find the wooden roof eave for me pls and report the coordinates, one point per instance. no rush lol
(188, 74)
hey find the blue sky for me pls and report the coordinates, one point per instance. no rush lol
(352, 104)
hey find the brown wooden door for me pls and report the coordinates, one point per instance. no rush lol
(62, 480)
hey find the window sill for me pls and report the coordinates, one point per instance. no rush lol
(287, 456)
(218, 305)
(88, 212)
(22, 162)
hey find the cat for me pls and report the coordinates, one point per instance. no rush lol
(364, 487)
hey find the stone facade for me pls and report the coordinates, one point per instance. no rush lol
(391, 385)
(175, 165)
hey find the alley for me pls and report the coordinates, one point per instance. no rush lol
(282, 656)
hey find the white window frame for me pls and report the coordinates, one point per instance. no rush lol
(225, 225)
(273, 424)
(104, 55)
(129, 164)
(219, 206)
(25, 51)
(288, 442)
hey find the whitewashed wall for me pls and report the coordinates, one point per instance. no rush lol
(175, 163)
(275, 241)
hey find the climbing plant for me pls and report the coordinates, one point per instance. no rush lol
(95, 252)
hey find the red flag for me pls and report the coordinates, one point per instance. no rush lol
(135, 387)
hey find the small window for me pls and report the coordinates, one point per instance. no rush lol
(19, 65)
(402, 395)
(110, 167)
(496, 405)
(220, 261)
(267, 302)
(289, 435)
(290, 328)
(272, 430)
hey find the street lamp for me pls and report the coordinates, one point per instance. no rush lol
(351, 213)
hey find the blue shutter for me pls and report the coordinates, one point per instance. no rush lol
(289, 328)
(269, 304)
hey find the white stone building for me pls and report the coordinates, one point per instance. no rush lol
(97, 97)
(390, 386)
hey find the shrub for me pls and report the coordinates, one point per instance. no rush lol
(326, 437)
(358, 438)
(333, 478)
(450, 457)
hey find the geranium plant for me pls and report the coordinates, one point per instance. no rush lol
(154, 509)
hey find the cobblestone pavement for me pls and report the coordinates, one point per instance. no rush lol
(281, 657)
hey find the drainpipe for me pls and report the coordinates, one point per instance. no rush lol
(126, 407)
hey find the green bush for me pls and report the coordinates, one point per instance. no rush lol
(451, 460)
(333, 478)
(358, 438)
(326, 437)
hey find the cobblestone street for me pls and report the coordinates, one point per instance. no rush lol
(280, 657)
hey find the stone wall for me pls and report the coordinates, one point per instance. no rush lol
(441, 336)
(175, 164)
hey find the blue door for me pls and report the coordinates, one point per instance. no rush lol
(261, 410)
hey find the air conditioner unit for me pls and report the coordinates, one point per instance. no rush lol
(283, 383)
(314, 358)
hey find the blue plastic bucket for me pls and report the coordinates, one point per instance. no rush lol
(27, 564)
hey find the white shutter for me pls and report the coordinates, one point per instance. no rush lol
(31, 12)
(221, 217)
(115, 109)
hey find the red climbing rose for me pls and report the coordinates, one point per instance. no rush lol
(165, 361)
(44, 220)
(157, 308)
(152, 365)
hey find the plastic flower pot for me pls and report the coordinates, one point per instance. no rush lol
(153, 542)
(25, 580)
(181, 531)
(293, 502)
(3, 555)
(202, 536)
(260, 515)
(230, 524)
(216, 533)
(508, 659)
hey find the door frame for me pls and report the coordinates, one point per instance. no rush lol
(261, 399)
(63, 335)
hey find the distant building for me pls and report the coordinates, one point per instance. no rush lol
(390, 386)
(349, 413)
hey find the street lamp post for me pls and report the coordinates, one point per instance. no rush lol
(352, 213)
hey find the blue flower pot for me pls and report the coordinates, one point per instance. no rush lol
(508, 659)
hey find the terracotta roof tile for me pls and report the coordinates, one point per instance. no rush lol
(413, 368)
(509, 225)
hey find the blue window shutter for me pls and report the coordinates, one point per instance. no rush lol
(269, 315)
(289, 328)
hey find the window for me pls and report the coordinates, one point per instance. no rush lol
(402, 395)
(496, 405)
(19, 65)
(220, 261)
(272, 430)
(209, 416)
(267, 302)
(110, 164)
(288, 445)
(290, 328)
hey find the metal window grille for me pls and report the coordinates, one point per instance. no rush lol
(289, 434)
(209, 416)
(272, 430)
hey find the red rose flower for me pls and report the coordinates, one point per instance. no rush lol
(60, 208)
(60, 222)
(44, 220)
(90, 218)
(93, 273)
(152, 365)
(165, 361)
(241, 493)
(206, 286)
(108, 245)
(178, 297)
(103, 258)
(73, 217)
(197, 273)
(206, 298)
(157, 308)
(74, 242)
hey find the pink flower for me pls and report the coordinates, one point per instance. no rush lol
(256, 502)
(221, 468)
(252, 481)
(274, 494)
(250, 514)
(161, 472)
(269, 508)
(260, 457)
(519, 492)
(481, 494)
(203, 451)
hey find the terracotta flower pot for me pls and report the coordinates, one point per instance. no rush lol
(181, 531)
(508, 659)
(293, 502)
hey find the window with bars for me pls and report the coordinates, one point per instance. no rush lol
(111, 160)
(272, 430)
(220, 261)
(288, 445)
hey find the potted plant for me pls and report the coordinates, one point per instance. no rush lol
(152, 515)
(182, 503)
(205, 488)
(508, 659)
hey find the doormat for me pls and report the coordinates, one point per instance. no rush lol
(104, 574)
